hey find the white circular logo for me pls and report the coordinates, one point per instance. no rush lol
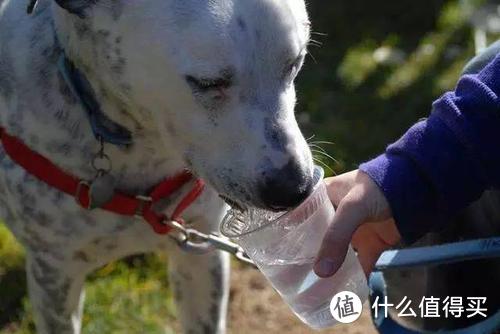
(346, 307)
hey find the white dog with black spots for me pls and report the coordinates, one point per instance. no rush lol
(200, 84)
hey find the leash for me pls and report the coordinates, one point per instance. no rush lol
(194, 241)
(440, 254)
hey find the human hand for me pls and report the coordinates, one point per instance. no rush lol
(363, 218)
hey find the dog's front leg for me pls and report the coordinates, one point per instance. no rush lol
(55, 289)
(201, 288)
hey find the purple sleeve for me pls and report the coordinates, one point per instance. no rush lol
(444, 163)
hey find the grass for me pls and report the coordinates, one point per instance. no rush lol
(129, 296)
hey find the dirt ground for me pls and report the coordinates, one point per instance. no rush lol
(255, 308)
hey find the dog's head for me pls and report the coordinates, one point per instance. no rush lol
(217, 76)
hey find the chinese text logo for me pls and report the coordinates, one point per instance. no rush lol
(346, 307)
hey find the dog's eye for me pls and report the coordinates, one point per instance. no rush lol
(204, 85)
(294, 67)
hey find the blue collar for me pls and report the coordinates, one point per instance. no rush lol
(104, 128)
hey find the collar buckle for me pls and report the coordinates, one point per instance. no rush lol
(144, 201)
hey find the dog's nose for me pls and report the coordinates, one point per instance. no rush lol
(285, 188)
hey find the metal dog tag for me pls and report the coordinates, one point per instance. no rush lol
(102, 190)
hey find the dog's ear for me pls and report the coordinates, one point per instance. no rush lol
(76, 7)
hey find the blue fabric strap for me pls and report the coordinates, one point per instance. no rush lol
(104, 128)
(440, 254)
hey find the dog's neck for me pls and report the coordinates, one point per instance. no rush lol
(105, 129)
(142, 135)
(48, 118)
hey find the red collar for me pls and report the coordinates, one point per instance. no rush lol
(122, 204)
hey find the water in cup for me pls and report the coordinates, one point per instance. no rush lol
(284, 246)
(305, 292)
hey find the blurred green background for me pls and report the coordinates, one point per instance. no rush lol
(375, 68)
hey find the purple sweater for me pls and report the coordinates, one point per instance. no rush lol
(446, 162)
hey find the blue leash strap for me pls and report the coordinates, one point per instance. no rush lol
(440, 254)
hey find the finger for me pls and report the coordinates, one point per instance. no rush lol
(365, 245)
(339, 186)
(370, 241)
(349, 216)
(368, 259)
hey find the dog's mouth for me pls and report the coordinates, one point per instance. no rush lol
(234, 204)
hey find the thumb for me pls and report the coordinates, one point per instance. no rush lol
(349, 216)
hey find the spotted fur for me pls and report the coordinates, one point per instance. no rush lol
(137, 55)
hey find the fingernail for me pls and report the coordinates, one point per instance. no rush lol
(325, 267)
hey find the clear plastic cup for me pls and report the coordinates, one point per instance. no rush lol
(284, 246)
